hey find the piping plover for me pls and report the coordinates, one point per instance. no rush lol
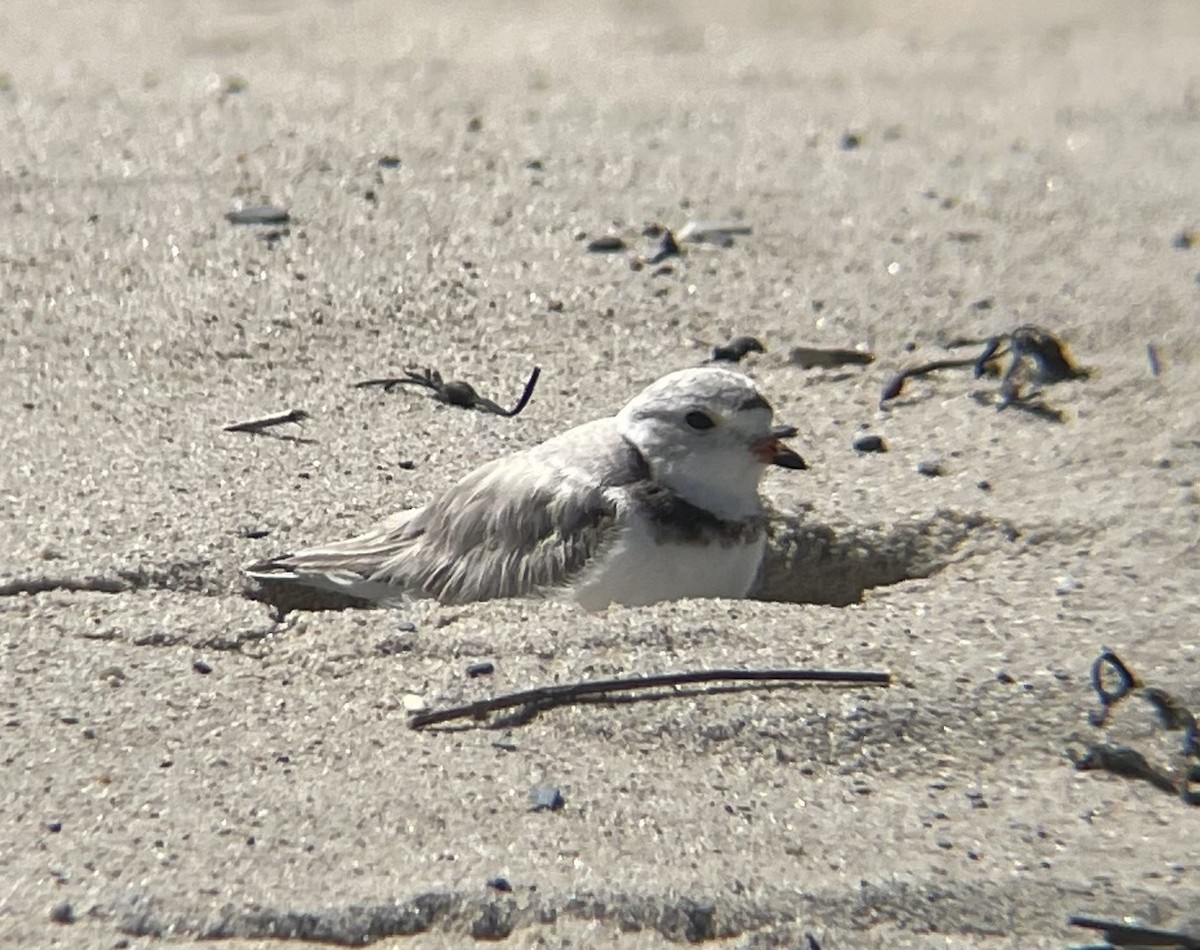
(659, 502)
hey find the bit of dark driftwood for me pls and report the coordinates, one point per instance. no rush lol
(736, 349)
(1120, 933)
(267, 422)
(259, 214)
(546, 697)
(815, 357)
(667, 247)
(454, 392)
(1113, 682)
(1037, 355)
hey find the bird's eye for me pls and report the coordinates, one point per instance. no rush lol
(699, 420)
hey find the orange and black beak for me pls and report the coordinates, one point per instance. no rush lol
(772, 451)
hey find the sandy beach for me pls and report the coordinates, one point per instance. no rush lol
(906, 180)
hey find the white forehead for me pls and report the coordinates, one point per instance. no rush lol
(721, 389)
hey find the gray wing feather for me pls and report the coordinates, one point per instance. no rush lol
(515, 526)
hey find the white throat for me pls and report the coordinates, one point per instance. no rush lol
(729, 491)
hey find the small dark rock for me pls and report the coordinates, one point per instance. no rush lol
(475, 125)
(1185, 240)
(54, 827)
(535, 165)
(930, 468)
(259, 214)
(499, 884)
(547, 798)
(975, 797)
(609, 244)
(63, 913)
(869, 443)
(984, 485)
(850, 141)
(481, 669)
(736, 349)
(389, 161)
(201, 667)
(1005, 677)
(985, 304)
(390, 646)
(255, 534)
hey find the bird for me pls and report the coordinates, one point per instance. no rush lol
(659, 502)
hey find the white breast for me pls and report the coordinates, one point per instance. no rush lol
(637, 570)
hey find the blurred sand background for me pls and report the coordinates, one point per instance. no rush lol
(1024, 162)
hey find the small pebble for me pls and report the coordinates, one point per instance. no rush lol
(201, 667)
(389, 161)
(499, 884)
(414, 704)
(736, 349)
(1005, 677)
(1185, 240)
(54, 827)
(481, 669)
(259, 214)
(606, 245)
(547, 798)
(850, 141)
(930, 468)
(870, 443)
(63, 913)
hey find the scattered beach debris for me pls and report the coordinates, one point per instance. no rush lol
(816, 357)
(869, 443)
(1186, 239)
(259, 214)
(1113, 682)
(609, 244)
(454, 392)
(1036, 357)
(736, 350)
(533, 701)
(547, 798)
(667, 247)
(259, 426)
(720, 233)
(1154, 359)
(1128, 933)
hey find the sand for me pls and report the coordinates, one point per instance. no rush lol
(175, 763)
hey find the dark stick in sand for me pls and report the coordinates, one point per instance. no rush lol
(545, 697)
(267, 422)
(454, 392)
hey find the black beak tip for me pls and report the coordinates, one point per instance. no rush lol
(786, 458)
